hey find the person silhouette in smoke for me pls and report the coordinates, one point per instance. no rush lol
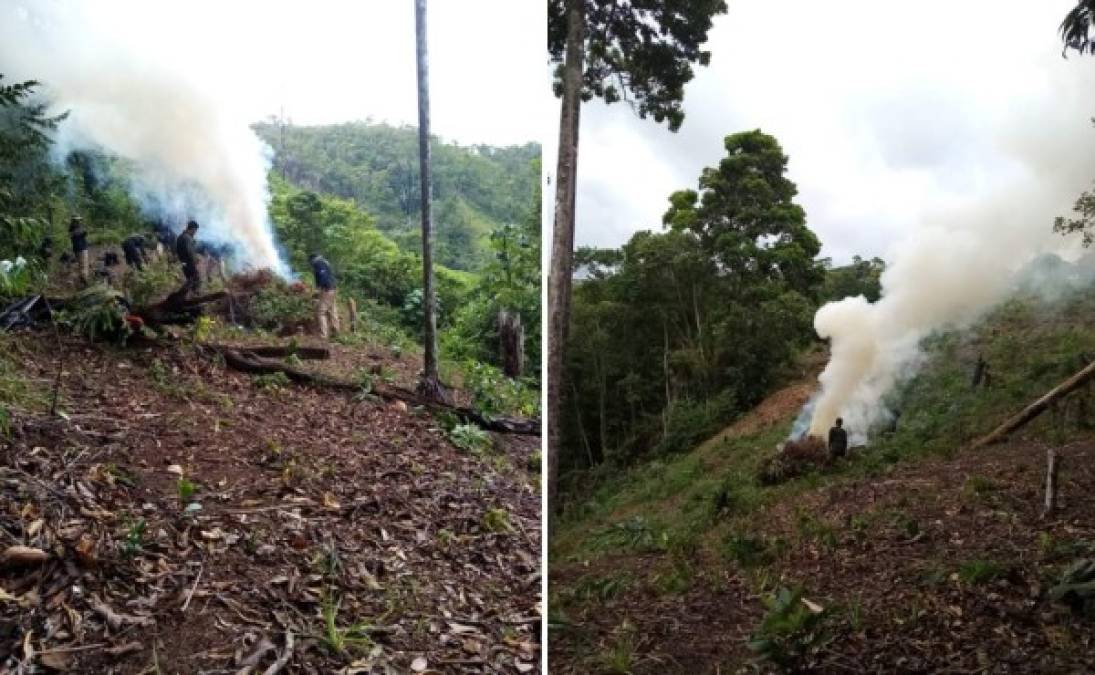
(838, 440)
(187, 251)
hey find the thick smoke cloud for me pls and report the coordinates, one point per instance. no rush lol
(153, 100)
(948, 272)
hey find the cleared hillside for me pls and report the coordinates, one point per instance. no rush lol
(914, 555)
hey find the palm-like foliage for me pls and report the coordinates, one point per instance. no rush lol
(1076, 29)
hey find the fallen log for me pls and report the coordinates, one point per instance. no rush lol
(1038, 407)
(277, 351)
(174, 310)
(239, 360)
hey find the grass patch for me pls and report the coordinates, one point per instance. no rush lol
(978, 572)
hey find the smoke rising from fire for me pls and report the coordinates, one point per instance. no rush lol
(960, 264)
(152, 100)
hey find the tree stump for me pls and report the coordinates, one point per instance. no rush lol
(353, 315)
(511, 339)
(1053, 465)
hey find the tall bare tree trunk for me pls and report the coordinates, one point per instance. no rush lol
(562, 245)
(429, 386)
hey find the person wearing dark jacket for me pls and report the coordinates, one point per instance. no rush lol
(133, 248)
(325, 283)
(838, 439)
(187, 251)
(78, 235)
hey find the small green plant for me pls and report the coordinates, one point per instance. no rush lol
(470, 438)
(978, 486)
(635, 534)
(747, 550)
(341, 640)
(202, 328)
(158, 372)
(620, 657)
(293, 360)
(5, 422)
(186, 490)
(978, 572)
(497, 520)
(274, 382)
(599, 589)
(134, 538)
(788, 630)
(535, 462)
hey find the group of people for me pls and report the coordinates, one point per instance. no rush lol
(198, 259)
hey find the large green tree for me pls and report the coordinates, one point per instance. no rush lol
(639, 51)
(678, 331)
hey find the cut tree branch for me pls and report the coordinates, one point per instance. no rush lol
(1038, 407)
(239, 359)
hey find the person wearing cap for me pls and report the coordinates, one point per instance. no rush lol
(838, 440)
(325, 283)
(187, 252)
(78, 236)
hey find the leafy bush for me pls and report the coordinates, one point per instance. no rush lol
(788, 630)
(690, 422)
(17, 278)
(1076, 588)
(495, 394)
(152, 282)
(470, 438)
(278, 307)
(97, 312)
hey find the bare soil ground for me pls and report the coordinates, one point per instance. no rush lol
(352, 526)
(938, 566)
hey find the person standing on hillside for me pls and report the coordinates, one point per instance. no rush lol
(78, 235)
(133, 248)
(325, 283)
(838, 440)
(187, 251)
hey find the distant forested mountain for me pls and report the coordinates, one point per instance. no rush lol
(477, 188)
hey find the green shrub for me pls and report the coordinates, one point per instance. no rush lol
(277, 307)
(788, 630)
(977, 572)
(470, 438)
(154, 281)
(495, 394)
(97, 312)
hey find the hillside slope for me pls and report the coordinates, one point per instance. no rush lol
(476, 189)
(194, 517)
(919, 556)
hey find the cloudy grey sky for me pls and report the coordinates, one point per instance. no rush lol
(336, 60)
(891, 115)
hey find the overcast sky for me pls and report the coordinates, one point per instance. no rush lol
(891, 114)
(337, 60)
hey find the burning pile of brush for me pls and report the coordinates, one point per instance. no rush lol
(795, 457)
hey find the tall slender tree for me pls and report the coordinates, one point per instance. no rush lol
(430, 384)
(639, 51)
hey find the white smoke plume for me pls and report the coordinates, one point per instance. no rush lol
(153, 100)
(950, 271)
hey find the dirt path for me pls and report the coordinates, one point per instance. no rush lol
(354, 526)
